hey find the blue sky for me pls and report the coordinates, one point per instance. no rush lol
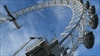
(40, 23)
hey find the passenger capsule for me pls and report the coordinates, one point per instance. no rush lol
(81, 1)
(87, 5)
(88, 39)
(93, 21)
(91, 10)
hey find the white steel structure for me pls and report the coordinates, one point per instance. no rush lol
(74, 34)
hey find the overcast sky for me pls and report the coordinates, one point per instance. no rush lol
(40, 23)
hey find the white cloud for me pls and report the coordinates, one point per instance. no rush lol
(39, 1)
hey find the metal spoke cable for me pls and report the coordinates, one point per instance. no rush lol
(42, 24)
(6, 48)
(36, 23)
(7, 39)
(7, 35)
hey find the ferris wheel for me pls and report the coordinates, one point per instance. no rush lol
(76, 33)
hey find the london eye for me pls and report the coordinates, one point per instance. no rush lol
(50, 27)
